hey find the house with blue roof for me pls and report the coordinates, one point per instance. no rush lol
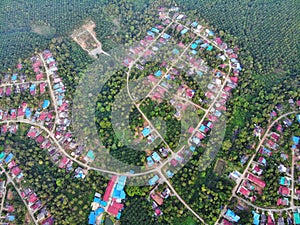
(166, 36)
(255, 218)
(46, 104)
(194, 46)
(119, 192)
(175, 51)
(296, 140)
(184, 31)
(153, 180)
(194, 52)
(14, 77)
(99, 211)
(9, 158)
(150, 33)
(169, 173)
(27, 113)
(92, 218)
(158, 73)
(155, 30)
(156, 157)
(194, 24)
(192, 148)
(298, 118)
(146, 131)
(150, 161)
(230, 215)
(10, 218)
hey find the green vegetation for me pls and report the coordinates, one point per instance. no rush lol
(67, 198)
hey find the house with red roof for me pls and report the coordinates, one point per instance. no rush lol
(199, 135)
(32, 132)
(32, 198)
(114, 208)
(64, 161)
(285, 191)
(257, 170)
(283, 201)
(190, 130)
(174, 162)
(275, 136)
(244, 191)
(218, 41)
(21, 112)
(226, 222)
(159, 200)
(109, 188)
(39, 76)
(16, 171)
(256, 180)
(40, 139)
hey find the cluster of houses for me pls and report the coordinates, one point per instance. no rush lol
(254, 181)
(44, 216)
(292, 218)
(17, 82)
(56, 155)
(158, 200)
(43, 115)
(10, 215)
(30, 196)
(63, 108)
(111, 202)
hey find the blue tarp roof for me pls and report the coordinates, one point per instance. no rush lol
(146, 131)
(8, 158)
(92, 218)
(46, 104)
(298, 117)
(198, 41)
